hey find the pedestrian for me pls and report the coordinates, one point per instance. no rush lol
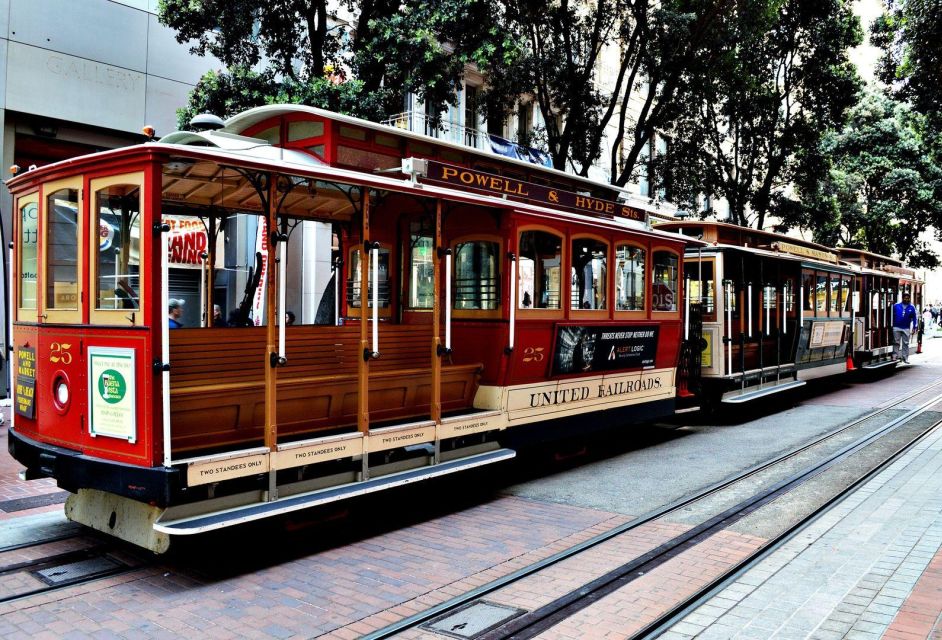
(174, 313)
(904, 320)
(927, 319)
(218, 320)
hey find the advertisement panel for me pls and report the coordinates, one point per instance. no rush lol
(112, 390)
(580, 349)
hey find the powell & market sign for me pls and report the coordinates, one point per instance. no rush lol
(502, 185)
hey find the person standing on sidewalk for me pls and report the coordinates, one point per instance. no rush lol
(904, 320)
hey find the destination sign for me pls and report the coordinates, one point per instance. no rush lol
(807, 252)
(504, 186)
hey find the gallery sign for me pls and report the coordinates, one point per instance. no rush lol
(112, 391)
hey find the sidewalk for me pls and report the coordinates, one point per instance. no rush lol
(870, 567)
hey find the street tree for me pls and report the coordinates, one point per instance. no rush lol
(645, 50)
(883, 189)
(753, 125)
(363, 62)
(910, 34)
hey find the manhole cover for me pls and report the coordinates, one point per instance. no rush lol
(473, 620)
(76, 570)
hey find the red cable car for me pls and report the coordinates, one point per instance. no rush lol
(299, 307)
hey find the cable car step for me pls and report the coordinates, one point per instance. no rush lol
(880, 364)
(737, 397)
(257, 511)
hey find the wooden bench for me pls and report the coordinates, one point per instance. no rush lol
(217, 382)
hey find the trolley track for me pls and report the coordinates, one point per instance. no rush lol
(529, 624)
(73, 559)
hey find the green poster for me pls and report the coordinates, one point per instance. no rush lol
(112, 393)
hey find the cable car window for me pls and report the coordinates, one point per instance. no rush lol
(845, 294)
(539, 270)
(62, 291)
(664, 293)
(421, 269)
(354, 279)
(821, 294)
(28, 251)
(807, 281)
(629, 278)
(117, 266)
(834, 300)
(477, 275)
(702, 285)
(589, 273)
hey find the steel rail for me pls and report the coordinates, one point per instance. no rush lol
(453, 603)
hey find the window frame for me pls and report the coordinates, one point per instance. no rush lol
(355, 312)
(678, 285)
(501, 256)
(115, 316)
(23, 313)
(535, 312)
(633, 314)
(62, 316)
(591, 313)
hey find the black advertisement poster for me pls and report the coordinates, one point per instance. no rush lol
(581, 349)
(26, 382)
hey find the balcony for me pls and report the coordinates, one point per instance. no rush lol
(446, 131)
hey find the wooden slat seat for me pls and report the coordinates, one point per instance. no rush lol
(217, 384)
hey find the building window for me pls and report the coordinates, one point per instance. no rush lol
(471, 115)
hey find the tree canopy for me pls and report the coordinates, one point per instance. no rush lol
(883, 189)
(298, 51)
(753, 125)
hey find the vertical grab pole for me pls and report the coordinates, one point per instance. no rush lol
(165, 340)
(749, 309)
(283, 240)
(447, 300)
(513, 299)
(729, 328)
(10, 352)
(336, 267)
(686, 308)
(374, 260)
(204, 318)
(435, 400)
(784, 305)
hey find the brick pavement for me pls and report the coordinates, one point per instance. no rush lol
(12, 488)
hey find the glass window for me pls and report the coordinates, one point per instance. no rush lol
(845, 294)
(702, 287)
(539, 266)
(629, 278)
(353, 280)
(834, 304)
(421, 270)
(62, 290)
(807, 281)
(664, 293)
(589, 273)
(28, 249)
(118, 210)
(477, 275)
(821, 294)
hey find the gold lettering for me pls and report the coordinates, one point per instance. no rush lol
(448, 172)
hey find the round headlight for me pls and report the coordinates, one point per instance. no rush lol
(62, 392)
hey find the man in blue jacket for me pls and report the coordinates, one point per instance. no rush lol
(904, 320)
